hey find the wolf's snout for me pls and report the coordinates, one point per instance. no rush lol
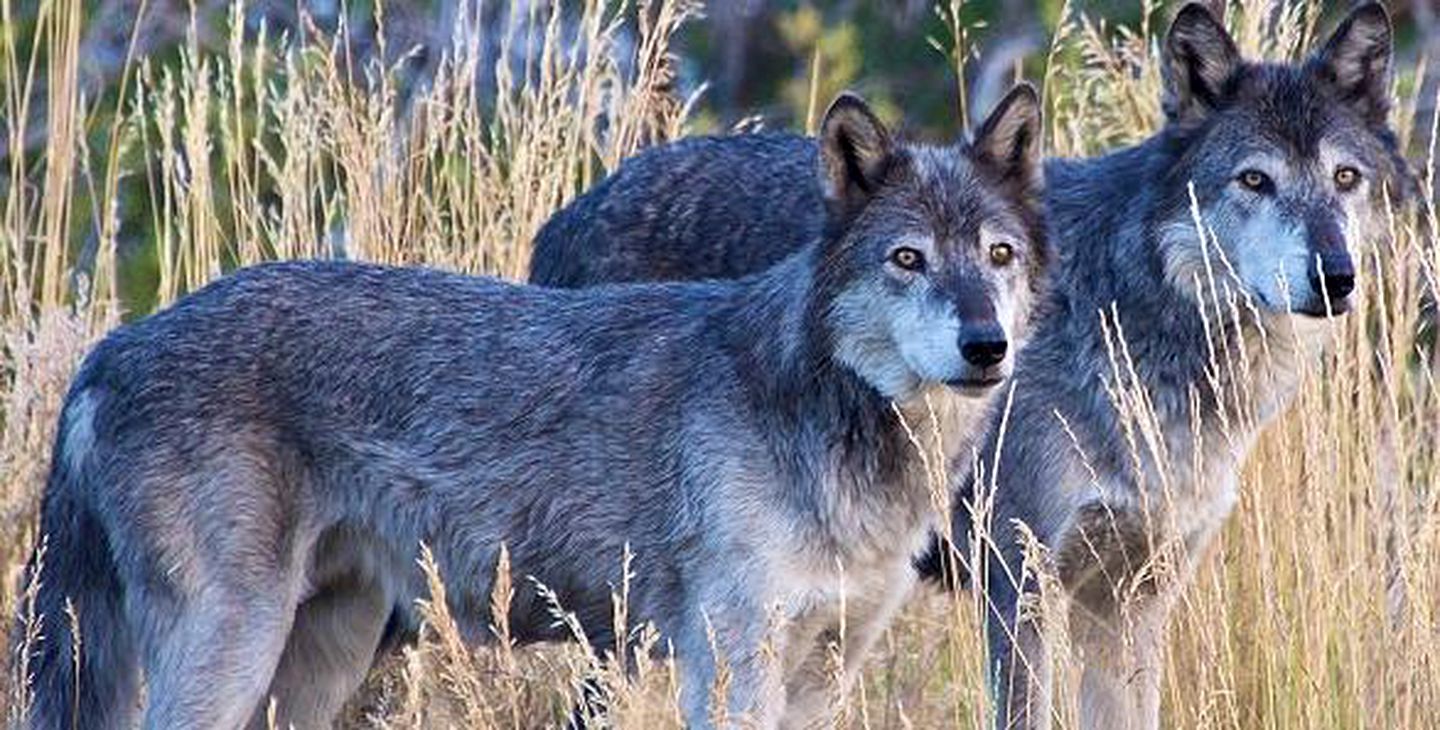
(1332, 276)
(985, 347)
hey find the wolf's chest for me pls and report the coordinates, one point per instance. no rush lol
(1208, 453)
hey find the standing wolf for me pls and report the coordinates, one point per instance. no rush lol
(242, 482)
(1121, 457)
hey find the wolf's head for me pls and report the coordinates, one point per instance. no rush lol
(1289, 161)
(933, 255)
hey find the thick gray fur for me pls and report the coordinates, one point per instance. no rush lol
(1127, 243)
(242, 482)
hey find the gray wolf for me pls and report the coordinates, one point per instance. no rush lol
(1123, 462)
(241, 483)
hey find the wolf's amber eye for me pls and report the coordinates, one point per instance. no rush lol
(908, 258)
(1001, 254)
(1346, 178)
(1255, 181)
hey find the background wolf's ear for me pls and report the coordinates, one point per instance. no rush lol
(1199, 60)
(1009, 139)
(1356, 61)
(855, 152)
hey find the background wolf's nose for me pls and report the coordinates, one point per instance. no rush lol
(1336, 286)
(984, 352)
(1334, 278)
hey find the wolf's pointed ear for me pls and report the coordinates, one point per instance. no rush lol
(1356, 61)
(1199, 60)
(1008, 141)
(855, 152)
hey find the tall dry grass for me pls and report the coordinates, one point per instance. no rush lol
(1316, 609)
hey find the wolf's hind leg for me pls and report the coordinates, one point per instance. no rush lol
(331, 648)
(216, 659)
(337, 630)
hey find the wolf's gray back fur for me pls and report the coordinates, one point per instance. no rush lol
(242, 482)
(700, 208)
(1127, 245)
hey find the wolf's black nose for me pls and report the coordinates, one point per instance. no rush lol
(1333, 277)
(1336, 286)
(984, 352)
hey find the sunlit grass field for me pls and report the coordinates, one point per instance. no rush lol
(1318, 608)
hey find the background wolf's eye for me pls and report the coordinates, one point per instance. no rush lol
(1001, 254)
(1256, 181)
(1346, 178)
(908, 258)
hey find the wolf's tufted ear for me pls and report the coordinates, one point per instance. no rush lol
(855, 152)
(1199, 60)
(1008, 141)
(1356, 62)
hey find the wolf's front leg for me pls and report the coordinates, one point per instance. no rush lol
(731, 672)
(836, 656)
(1019, 663)
(1123, 657)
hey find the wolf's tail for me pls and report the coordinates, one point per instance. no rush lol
(76, 574)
